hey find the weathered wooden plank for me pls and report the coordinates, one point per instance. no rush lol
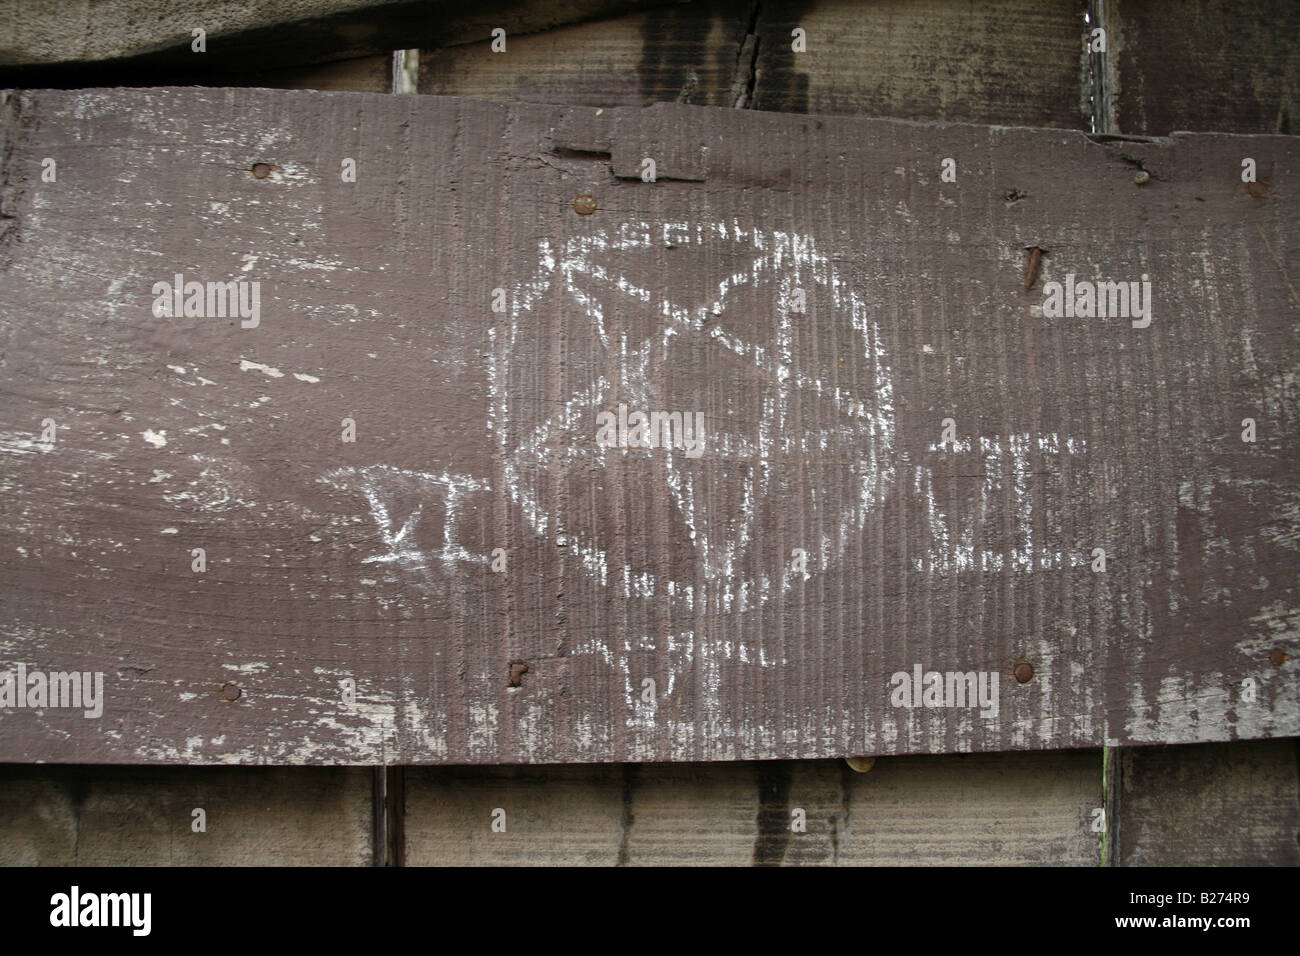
(1235, 804)
(1226, 65)
(145, 816)
(985, 809)
(1012, 62)
(241, 36)
(367, 74)
(330, 561)
(687, 53)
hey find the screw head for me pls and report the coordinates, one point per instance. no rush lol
(584, 205)
(261, 170)
(861, 764)
(1023, 672)
(230, 691)
(1142, 177)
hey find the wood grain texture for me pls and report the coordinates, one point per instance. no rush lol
(144, 816)
(267, 34)
(476, 430)
(1013, 62)
(1234, 804)
(686, 53)
(367, 74)
(1226, 65)
(977, 810)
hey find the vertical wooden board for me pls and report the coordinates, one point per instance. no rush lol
(373, 561)
(686, 53)
(144, 816)
(1235, 804)
(1012, 62)
(1226, 65)
(1022, 809)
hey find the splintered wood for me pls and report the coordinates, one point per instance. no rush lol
(343, 428)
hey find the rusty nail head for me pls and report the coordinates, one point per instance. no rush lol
(517, 671)
(230, 691)
(1277, 658)
(1257, 190)
(1031, 267)
(584, 205)
(1023, 672)
(262, 170)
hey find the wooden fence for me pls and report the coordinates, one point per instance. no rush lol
(358, 519)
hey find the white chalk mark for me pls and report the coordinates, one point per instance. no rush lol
(379, 484)
(246, 366)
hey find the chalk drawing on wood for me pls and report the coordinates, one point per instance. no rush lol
(727, 574)
(381, 484)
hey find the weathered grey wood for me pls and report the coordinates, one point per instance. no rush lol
(144, 816)
(684, 53)
(823, 433)
(1101, 83)
(985, 809)
(1226, 65)
(1234, 804)
(60, 31)
(269, 33)
(367, 74)
(1012, 62)
(1017, 62)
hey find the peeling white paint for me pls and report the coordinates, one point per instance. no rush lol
(15, 445)
(246, 366)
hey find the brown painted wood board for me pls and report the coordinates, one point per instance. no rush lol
(825, 540)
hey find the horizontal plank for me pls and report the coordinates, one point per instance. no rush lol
(1208, 804)
(686, 53)
(502, 587)
(1010, 62)
(241, 36)
(1015, 62)
(145, 816)
(1225, 65)
(1233, 804)
(367, 74)
(978, 810)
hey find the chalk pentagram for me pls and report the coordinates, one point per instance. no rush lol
(861, 420)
